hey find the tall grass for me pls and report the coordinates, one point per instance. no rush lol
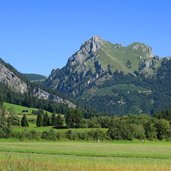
(32, 162)
(84, 156)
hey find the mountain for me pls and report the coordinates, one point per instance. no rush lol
(13, 83)
(95, 62)
(115, 79)
(35, 77)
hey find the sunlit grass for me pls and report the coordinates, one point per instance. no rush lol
(18, 109)
(86, 156)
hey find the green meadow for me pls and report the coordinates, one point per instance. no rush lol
(85, 156)
(18, 109)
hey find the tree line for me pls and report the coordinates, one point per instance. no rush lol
(128, 127)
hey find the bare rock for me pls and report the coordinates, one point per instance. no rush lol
(11, 80)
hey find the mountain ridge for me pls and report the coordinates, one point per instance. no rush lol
(99, 61)
(103, 77)
(97, 56)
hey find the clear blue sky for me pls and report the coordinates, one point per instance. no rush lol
(39, 35)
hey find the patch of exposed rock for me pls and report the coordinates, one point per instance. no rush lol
(11, 80)
(42, 94)
(89, 48)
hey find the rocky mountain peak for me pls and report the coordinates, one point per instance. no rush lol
(87, 49)
(113, 78)
(94, 43)
(96, 38)
(97, 60)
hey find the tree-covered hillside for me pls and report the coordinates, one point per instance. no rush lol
(35, 77)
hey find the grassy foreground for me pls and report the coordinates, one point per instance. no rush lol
(85, 156)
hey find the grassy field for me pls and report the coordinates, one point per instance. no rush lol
(18, 109)
(85, 156)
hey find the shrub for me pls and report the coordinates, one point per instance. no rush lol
(71, 135)
(163, 128)
(50, 135)
(24, 122)
(137, 131)
(97, 134)
(150, 131)
(5, 130)
(120, 132)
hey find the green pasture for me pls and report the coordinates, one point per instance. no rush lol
(18, 109)
(93, 156)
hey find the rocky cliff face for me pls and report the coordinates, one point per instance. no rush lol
(87, 50)
(11, 80)
(81, 66)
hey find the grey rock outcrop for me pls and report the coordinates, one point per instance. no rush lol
(41, 94)
(79, 66)
(87, 49)
(11, 80)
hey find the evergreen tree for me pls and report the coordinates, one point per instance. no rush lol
(1, 101)
(46, 120)
(39, 121)
(150, 130)
(59, 120)
(24, 122)
(74, 119)
(53, 119)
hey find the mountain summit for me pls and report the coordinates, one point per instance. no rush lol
(92, 74)
(97, 59)
(87, 50)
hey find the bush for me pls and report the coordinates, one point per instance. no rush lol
(82, 135)
(93, 123)
(163, 128)
(24, 135)
(50, 135)
(150, 131)
(137, 131)
(120, 132)
(5, 130)
(34, 135)
(97, 134)
(71, 135)
(13, 121)
(44, 135)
